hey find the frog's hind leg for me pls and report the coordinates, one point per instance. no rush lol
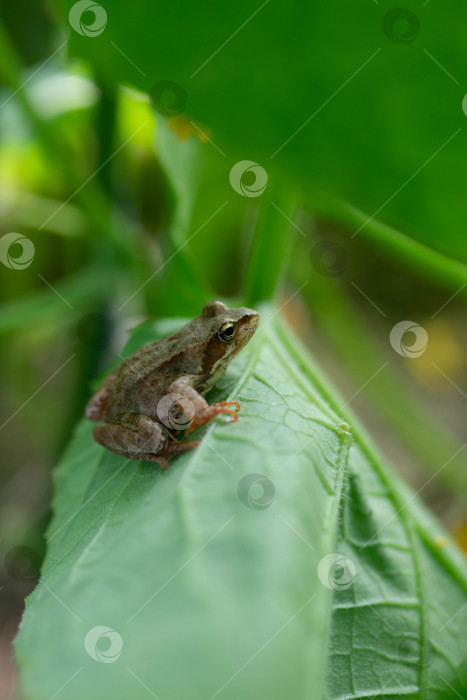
(137, 436)
(134, 435)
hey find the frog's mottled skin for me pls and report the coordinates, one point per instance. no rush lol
(186, 364)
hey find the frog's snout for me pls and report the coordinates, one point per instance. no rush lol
(248, 325)
(254, 320)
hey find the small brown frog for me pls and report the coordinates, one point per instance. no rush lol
(159, 390)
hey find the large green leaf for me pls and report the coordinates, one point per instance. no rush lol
(358, 100)
(217, 576)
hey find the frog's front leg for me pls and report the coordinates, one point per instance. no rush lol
(203, 411)
(137, 436)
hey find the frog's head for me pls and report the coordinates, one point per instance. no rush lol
(231, 329)
(226, 331)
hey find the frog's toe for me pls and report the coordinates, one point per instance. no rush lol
(228, 403)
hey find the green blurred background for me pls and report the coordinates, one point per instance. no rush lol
(64, 318)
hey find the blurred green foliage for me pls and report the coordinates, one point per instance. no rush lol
(370, 112)
(132, 215)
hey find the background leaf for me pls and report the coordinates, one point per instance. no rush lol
(348, 99)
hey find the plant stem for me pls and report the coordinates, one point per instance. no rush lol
(416, 256)
(271, 244)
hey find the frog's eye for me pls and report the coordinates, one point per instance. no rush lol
(226, 332)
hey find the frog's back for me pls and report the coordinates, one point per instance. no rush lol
(145, 377)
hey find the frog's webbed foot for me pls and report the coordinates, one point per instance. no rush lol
(172, 449)
(211, 411)
(177, 447)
